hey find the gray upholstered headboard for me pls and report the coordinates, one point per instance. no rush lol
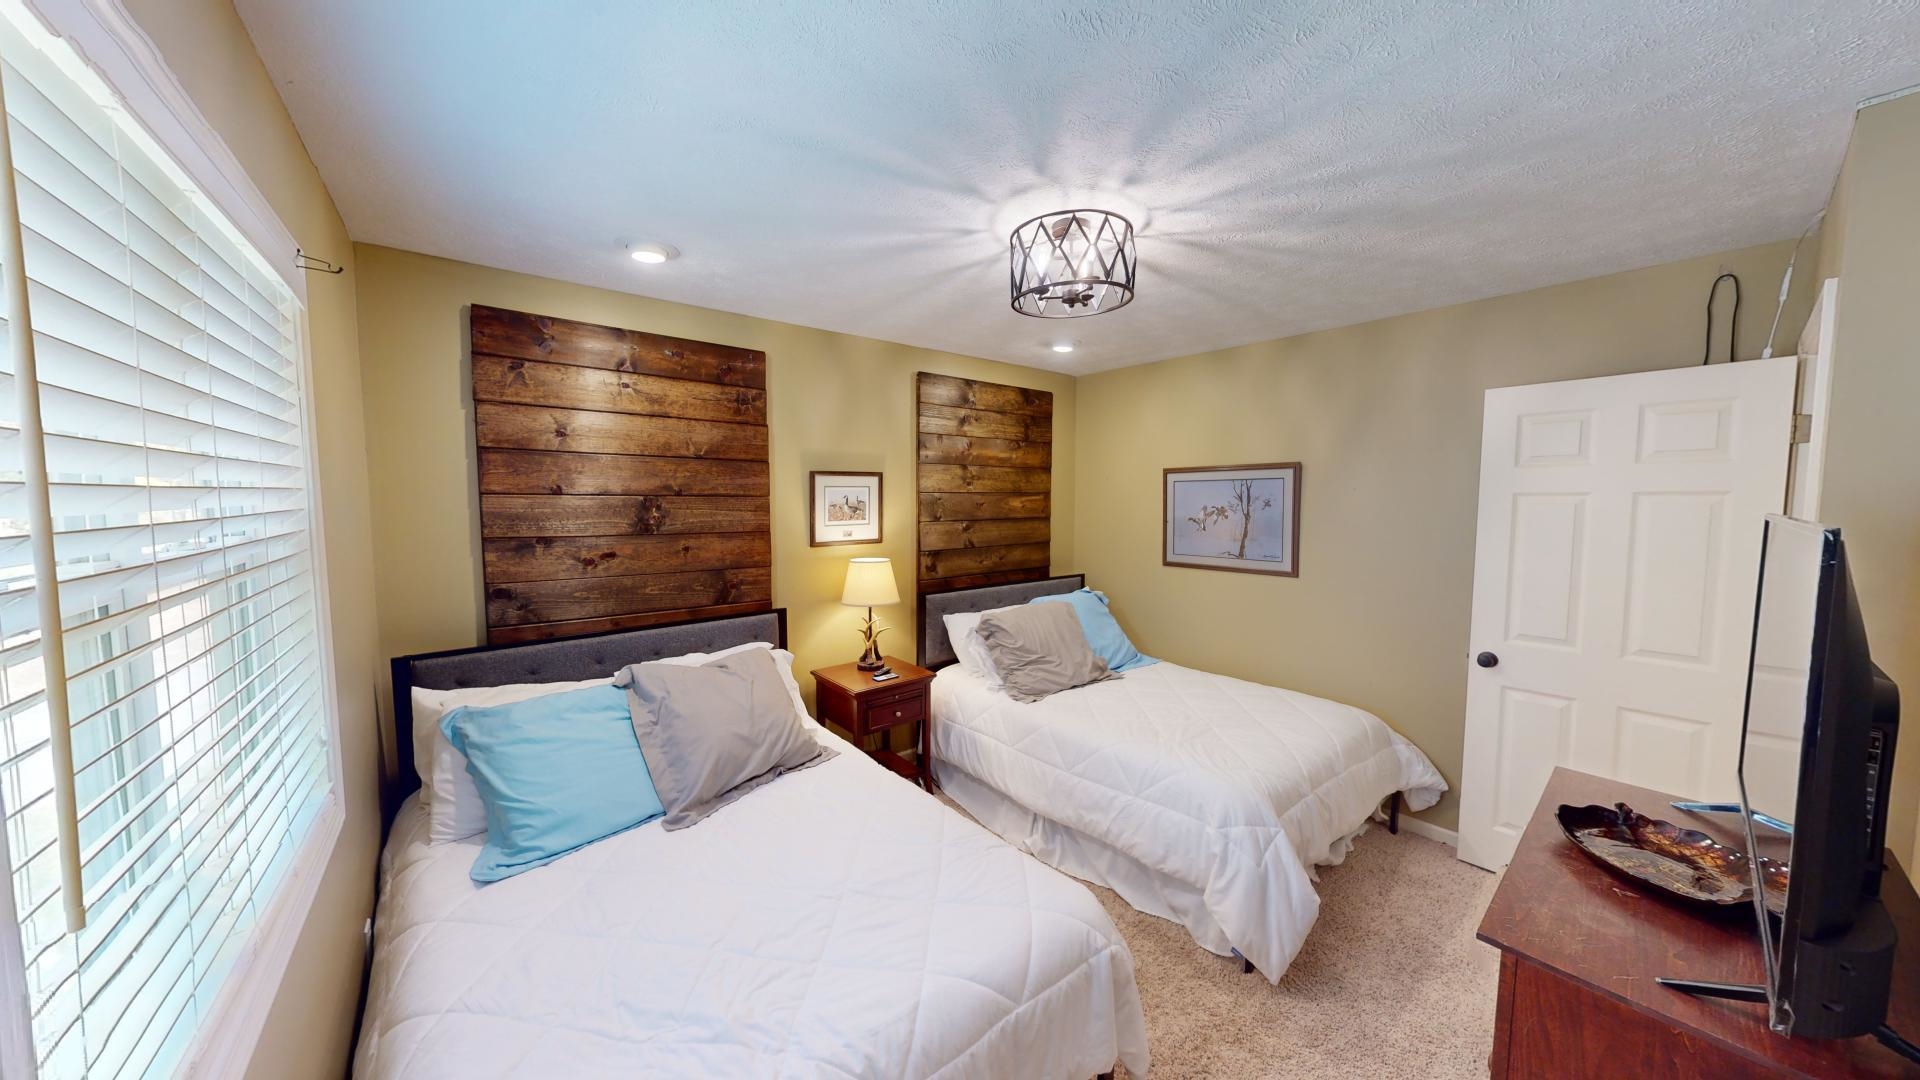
(936, 651)
(565, 660)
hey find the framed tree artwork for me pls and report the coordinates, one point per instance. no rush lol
(1244, 518)
(844, 508)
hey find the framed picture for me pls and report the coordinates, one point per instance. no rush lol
(844, 508)
(1244, 518)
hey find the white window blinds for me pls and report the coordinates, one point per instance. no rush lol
(169, 364)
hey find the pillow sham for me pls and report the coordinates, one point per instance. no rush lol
(712, 733)
(1104, 636)
(555, 773)
(454, 809)
(782, 661)
(1040, 650)
(963, 635)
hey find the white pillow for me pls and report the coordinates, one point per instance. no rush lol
(963, 634)
(454, 809)
(959, 626)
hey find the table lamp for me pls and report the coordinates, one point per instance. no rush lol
(870, 584)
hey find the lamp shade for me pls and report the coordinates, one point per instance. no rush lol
(870, 583)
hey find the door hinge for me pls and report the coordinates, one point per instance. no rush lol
(1802, 428)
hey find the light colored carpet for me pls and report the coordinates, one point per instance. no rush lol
(1391, 982)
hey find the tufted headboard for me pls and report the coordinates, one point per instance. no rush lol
(566, 660)
(936, 651)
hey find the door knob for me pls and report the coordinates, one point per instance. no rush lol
(1487, 659)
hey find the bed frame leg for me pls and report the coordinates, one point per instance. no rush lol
(1393, 814)
(1104, 1076)
(1246, 966)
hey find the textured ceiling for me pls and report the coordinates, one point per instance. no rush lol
(1301, 165)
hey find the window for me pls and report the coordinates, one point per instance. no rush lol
(169, 377)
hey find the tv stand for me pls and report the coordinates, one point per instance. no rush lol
(1584, 953)
(1729, 991)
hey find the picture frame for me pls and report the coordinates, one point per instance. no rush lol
(844, 508)
(1239, 518)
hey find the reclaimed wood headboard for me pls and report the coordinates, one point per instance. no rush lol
(623, 477)
(986, 483)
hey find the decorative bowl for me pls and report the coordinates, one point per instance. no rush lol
(1683, 863)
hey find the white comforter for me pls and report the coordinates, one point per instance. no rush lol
(835, 923)
(1224, 790)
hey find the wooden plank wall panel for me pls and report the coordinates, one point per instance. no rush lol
(623, 477)
(985, 483)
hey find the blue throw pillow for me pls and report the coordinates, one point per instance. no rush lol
(556, 773)
(1104, 635)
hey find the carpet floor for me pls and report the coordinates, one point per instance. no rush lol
(1391, 982)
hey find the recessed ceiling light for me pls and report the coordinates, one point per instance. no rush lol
(653, 253)
(1063, 347)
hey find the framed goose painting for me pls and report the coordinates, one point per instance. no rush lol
(845, 508)
(1244, 518)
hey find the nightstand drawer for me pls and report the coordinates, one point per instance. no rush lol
(903, 709)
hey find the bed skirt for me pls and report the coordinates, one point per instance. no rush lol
(1076, 854)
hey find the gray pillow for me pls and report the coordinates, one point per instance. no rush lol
(1039, 649)
(712, 733)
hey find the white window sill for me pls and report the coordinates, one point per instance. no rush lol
(225, 1043)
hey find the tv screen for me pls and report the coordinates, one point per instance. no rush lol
(1816, 754)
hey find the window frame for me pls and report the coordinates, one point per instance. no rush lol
(112, 43)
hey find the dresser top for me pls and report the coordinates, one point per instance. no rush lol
(1561, 910)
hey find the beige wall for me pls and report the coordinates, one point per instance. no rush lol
(309, 1029)
(1872, 488)
(834, 402)
(1385, 417)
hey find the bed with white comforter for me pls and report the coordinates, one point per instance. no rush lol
(1199, 798)
(835, 923)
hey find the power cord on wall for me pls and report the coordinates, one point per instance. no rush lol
(1779, 305)
(1733, 324)
(1786, 283)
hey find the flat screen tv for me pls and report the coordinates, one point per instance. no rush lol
(1816, 757)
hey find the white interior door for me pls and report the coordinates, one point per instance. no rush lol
(1619, 538)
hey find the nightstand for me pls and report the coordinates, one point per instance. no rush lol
(849, 699)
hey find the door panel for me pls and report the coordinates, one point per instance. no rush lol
(1543, 593)
(1673, 579)
(1534, 731)
(1619, 538)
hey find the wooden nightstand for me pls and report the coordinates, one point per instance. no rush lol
(849, 699)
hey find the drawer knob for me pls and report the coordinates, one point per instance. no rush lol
(896, 712)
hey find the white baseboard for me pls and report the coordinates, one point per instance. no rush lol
(1431, 831)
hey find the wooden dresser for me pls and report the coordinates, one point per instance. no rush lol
(1580, 948)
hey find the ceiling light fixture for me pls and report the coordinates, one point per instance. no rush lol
(1072, 263)
(1063, 347)
(653, 253)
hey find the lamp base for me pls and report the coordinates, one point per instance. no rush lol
(870, 659)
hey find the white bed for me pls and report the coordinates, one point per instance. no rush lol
(1200, 798)
(837, 922)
